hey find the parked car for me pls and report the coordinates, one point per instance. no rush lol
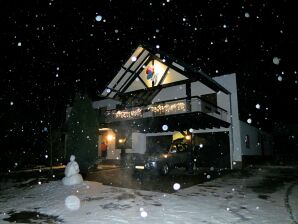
(178, 155)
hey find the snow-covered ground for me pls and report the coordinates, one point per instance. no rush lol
(263, 195)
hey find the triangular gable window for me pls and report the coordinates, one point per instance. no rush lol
(153, 72)
(136, 85)
(173, 76)
(142, 71)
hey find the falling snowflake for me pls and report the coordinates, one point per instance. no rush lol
(279, 78)
(98, 18)
(72, 203)
(157, 46)
(176, 186)
(276, 60)
(19, 44)
(165, 127)
(133, 58)
(258, 106)
(144, 214)
(11, 103)
(246, 15)
(249, 120)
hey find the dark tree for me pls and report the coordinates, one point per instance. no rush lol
(81, 139)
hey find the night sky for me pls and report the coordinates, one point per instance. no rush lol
(49, 50)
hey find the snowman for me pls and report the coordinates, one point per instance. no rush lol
(72, 176)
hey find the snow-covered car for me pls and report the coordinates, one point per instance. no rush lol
(178, 155)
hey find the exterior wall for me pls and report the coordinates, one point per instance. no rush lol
(112, 153)
(229, 82)
(198, 89)
(255, 147)
(170, 93)
(138, 143)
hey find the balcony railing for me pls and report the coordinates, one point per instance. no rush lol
(169, 107)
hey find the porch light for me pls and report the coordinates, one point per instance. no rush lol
(110, 138)
(122, 140)
(188, 137)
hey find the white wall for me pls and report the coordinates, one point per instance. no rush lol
(252, 133)
(138, 143)
(112, 152)
(229, 82)
(254, 144)
(198, 89)
(169, 93)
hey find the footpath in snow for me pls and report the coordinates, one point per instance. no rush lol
(256, 195)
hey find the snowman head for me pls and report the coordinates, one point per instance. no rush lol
(72, 158)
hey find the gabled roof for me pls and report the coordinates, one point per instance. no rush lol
(146, 68)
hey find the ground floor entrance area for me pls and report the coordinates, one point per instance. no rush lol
(210, 149)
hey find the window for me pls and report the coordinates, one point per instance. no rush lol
(247, 141)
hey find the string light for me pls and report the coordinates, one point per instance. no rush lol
(128, 114)
(158, 109)
(168, 108)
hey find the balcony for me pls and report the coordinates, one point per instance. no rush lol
(167, 108)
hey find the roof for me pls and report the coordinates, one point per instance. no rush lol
(148, 68)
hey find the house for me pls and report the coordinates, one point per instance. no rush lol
(155, 96)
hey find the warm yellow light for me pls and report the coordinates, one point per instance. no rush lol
(110, 137)
(121, 140)
(188, 137)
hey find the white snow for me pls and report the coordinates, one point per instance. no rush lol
(72, 176)
(229, 199)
